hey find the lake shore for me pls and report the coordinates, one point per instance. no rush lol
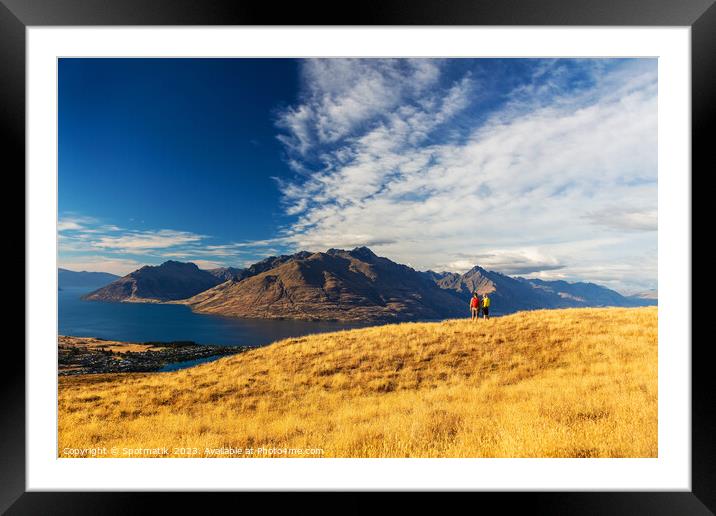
(89, 355)
(152, 322)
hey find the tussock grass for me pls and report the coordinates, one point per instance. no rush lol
(550, 383)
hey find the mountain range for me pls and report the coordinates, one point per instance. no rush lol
(342, 285)
(67, 278)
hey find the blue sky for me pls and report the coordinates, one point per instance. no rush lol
(534, 167)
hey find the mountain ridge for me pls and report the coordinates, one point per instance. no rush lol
(340, 285)
(169, 281)
(348, 285)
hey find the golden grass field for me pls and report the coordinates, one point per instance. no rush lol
(549, 383)
(109, 345)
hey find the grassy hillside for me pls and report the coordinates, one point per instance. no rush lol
(552, 383)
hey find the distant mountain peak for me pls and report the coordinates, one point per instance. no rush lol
(175, 263)
(172, 280)
(475, 269)
(302, 255)
(363, 251)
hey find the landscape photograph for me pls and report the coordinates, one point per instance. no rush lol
(357, 258)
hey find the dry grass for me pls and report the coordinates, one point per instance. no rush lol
(553, 383)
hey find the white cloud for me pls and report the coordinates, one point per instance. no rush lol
(620, 218)
(342, 94)
(81, 234)
(144, 240)
(74, 222)
(66, 225)
(84, 241)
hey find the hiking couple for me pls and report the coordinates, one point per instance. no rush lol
(476, 303)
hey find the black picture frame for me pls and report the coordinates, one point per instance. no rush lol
(16, 15)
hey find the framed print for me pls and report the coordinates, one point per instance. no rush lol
(416, 250)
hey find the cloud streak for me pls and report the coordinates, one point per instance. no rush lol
(343, 95)
(147, 240)
(86, 242)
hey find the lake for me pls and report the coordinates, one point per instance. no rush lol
(145, 322)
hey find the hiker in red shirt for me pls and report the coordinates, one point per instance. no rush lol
(475, 306)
